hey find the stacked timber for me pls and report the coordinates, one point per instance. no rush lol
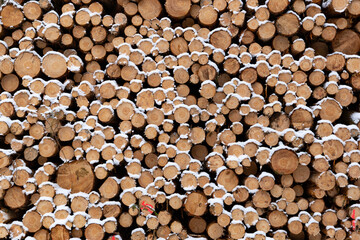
(179, 119)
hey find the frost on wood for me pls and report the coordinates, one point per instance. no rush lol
(179, 119)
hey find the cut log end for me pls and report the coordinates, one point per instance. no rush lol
(284, 161)
(77, 176)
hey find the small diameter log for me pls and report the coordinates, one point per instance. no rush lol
(10, 82)
(333, 149)
(277, 219)
(197, 225)
(266, 31)
(335, 62)
(344, 96)
(236, 230)
(208, 15)
(326, 181)
(284, 161)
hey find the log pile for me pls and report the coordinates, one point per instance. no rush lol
(179, 119)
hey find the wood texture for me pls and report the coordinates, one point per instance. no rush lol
(179, 119)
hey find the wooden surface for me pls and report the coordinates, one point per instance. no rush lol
(170, 119)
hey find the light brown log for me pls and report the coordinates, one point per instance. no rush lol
(27, 63)
(207, 15)
(109, 188)
(178, 9)
(220, 39)
(59, 232)
(301, 119)
(335, 62)
(149, 9)
(48, 147)
(277, 7)
(12, 16)
(214, 230)
(15, 198)
(266, 31)
(284, 161)
(77, 176)
(54, 65)
(261, 199)
(287, 24)
(277, 219)
(10, 82)
(330, 110)
(32, 220)
(344, 96)
(228, 179)
(196, 204)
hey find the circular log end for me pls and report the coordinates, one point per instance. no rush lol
(284, 161)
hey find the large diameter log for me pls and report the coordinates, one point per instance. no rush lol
(48, 147)
(228, 179)
(149, 9)
(109, 188)
(178, 8)
(77, 176)
(284, 161)
(11, 16)
(15, 198)
(60, 233)
(277, 219)
(346, 41)
(32, 220)
(326, 181)
(54, 65)
(288, 24)
(196, 204)
(330, 110)
(301, 119)
(277, 6)
(220, 39)
(333, 149)
(27, 63)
